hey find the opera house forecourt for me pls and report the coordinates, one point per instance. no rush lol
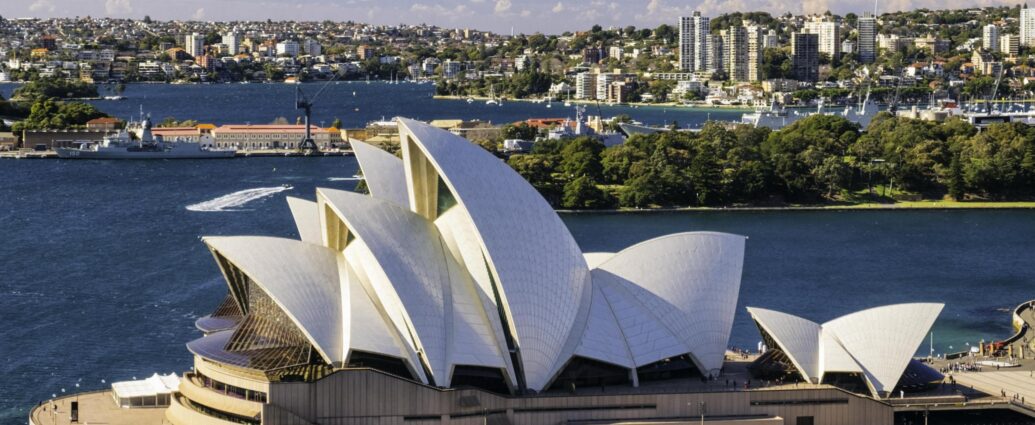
(453, 294)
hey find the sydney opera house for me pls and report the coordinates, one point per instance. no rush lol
(453, 293)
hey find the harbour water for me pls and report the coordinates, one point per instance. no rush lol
(355, 103)
(104, 273)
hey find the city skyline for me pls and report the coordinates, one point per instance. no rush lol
(502, 16)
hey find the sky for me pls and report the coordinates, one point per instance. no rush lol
(524, 16)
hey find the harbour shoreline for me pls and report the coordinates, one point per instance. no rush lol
(589, 102)
(904, 206)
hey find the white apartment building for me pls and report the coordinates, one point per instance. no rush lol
(585, 86)
(194, 44)
(829, 31)
(693, 42)
(990, 37)
(742, 53)
(867, 42)
(770, 40)
(288, 47)
(716, 53)
(755, 50)
(1027, 24)
(312, 47)
(451, 68)
(735, 55)
(603, 82)
(429, 65)
(154, 70)
(232, 42)
(1010, 44)
(522, 62)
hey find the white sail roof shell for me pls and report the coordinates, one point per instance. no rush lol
(366, 326)
(433, 295)
(798, 337)
(307, 219)
(690, 283)
(883, 339)
(833, 357)
(312, 285)
(647, 338)
(302, 278)
(383, 172)
(879, 342)
(534, 259)
(594, 259)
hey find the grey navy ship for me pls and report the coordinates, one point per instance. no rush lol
(145, 145)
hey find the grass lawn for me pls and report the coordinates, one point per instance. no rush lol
(861, 200)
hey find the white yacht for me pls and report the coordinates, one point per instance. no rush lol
(146, 146)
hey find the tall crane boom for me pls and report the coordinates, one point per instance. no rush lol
(307, 144)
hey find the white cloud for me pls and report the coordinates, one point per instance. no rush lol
(460, 10)
(526, 13)
(199, 15)
(814, 6)
(41, 6)
(653, 6)
(558, 8)
(118, 7)
(502, 6)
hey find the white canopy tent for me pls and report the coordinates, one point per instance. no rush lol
(150, 392)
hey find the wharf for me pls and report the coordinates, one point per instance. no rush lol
(28, 154)
(265, 153)
(290, 153)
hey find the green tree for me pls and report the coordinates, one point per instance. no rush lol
(957, 186)
(618, 160)
(538, 170)
(993, 161)
(50, 113)
(521, 131)
(581, 157)
(54, 88)
(583, 193)
(798, 154)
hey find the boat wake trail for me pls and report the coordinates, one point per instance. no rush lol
(231, 201)
(345, 179)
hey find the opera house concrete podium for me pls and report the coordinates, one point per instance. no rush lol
(453, 293)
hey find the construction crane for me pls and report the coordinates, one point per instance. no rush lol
(307, 145)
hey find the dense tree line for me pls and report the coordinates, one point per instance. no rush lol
(528, 83)
(819, 159)
(56, 88)
(52, 113)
